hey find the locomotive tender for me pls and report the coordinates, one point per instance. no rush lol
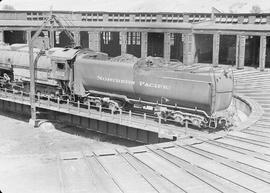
(171, 90)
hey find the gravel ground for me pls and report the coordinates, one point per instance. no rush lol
(17, 137)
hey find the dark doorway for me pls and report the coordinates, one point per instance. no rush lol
(134, 43)
(84, 41)
(252, 51)
(62, 40)
(110, 43)
(176, 47)
(227, 49)
(155, 44)
(204, 48)
(13, 37)
(267, 56)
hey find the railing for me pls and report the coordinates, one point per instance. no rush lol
(128, 118)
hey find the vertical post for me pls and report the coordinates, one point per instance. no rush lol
(28, 37)
(112, 112)
(159, 124)
(186, 127)
(100, 110)
(216, 38)
(130, 114)
(58, 102)
(90, 39)
(39, 99)
(189, 48)
(49, 100)
(262, 52)
(120, 115)
(212, 14)
(78, 106)
(241, 51)
(144, 119)
(51, 37)
(123, 37)
(77, 38)
(22, 95)
(237, 50)
(68, 104)
(2, 36)
(94, 40)
(144, 44)
(32, 79)
(14, 96)
(51, 41)
(89, 111)
(167, 46)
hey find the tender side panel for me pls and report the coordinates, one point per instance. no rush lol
(173, 88)
(105, 76)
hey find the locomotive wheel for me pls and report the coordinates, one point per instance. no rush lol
(196, 122)
(179, 119)
(223, 124)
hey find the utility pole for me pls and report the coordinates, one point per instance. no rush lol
(32, 63)
(33, 120)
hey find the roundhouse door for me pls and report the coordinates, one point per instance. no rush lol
(155, 44)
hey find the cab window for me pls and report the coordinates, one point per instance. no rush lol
(61, 66)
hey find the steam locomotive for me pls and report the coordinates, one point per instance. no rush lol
(171, 90)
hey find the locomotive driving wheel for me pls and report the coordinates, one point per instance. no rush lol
(179, 119)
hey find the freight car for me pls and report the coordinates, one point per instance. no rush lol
(171, 90)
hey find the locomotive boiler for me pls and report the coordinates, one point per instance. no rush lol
(171, 90)
(14, 69)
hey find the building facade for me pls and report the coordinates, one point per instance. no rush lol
(230, 39)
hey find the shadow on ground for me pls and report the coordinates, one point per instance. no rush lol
(73, 130)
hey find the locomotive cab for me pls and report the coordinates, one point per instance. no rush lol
(60, 70)
(62, 63)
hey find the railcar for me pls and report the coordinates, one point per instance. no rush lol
(171, 90)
